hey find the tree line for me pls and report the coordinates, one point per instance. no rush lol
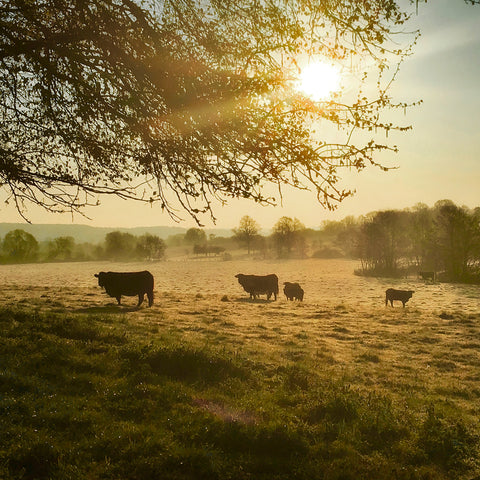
(287, 240)
(19, 246)
(444, 238)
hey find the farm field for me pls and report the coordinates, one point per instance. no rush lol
(208, 384)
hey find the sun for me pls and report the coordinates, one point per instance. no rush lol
(318, 80)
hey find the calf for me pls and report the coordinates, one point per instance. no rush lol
(293, 291)
(403, 295)
(117, 284)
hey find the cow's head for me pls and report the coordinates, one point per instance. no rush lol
(101, 278)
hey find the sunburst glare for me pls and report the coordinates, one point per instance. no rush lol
(318, 80)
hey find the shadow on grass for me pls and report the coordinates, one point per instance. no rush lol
(186, 363)
(105, 309)
(249, 300)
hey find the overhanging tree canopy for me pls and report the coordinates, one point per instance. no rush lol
(185, 102)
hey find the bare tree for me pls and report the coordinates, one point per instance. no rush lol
(247, 231)
(288, 234)
(188, 102)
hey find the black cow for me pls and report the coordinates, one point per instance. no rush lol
(293, 291)
(117, 284)
(257, 285)
(427, 275)
(403, 295)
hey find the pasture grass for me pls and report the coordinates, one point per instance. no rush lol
(118, 395)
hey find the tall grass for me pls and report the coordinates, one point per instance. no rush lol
(102, 397)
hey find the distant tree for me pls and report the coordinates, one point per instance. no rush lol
(20, 246)
(120, 245)
(98, 252)
(288, 234)
(150, 247)
(61, 248)
(247, 231)
(86, 251)
(347, 236)
(369, 244)
(176, 240)
(195, 236)
(422, 232)
(457, 239)
(207, 249)
(339, 238)
(383, 242)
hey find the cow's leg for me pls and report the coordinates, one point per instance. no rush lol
(119, 297)
(391, 303)
(141, 296)
(150, 298)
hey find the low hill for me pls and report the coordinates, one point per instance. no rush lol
(86, 233)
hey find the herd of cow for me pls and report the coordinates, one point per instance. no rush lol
(117, 284)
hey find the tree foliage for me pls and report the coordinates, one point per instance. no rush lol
(246, 233)
(120, 245)
(188, 102)
(61, 248)
(445, 238)
(457, 239)
(195, 236)
(20, 246)
(383, 241)
(150, 247)
(288, 236)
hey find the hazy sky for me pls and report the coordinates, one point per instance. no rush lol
(438, 159)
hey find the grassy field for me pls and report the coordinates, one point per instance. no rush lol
(207, 384)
